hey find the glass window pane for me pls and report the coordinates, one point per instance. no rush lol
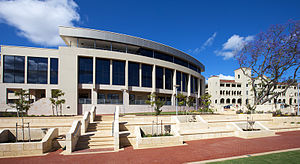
(163, 56)
(13, 70)
(85, 70)
(103, 71)
(53, 71)
(159, 77)
(168, 79)
(133, 74)
(37, 70)
(145, 52)
(146, 75)
(184, 82)
(118, 72)
(178, 80)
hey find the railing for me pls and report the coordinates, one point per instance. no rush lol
(73, 136)
(84, 101)
(85, 121)
(93, 113)
(109, 101)
(137, 102)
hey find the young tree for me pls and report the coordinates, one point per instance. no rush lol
(22, 104)
(156, 103)
(274, 58)
(190, 102)
(205, 101)
(57, 101)
(181, 100)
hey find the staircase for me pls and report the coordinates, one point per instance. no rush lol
(98, 136)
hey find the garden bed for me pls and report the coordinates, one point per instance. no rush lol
(156, 136)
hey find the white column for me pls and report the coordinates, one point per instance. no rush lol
(111, 74)
(140, 75)
(25, 73)
(126, 74)
(153, 78)
(164, 78)
(174, 89)
(94, 96)
(189, 86)
(94, 72)
(48, 72)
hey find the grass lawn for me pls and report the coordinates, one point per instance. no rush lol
(284, 157)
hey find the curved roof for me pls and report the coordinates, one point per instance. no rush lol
(126, 39)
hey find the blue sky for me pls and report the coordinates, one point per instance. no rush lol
(207, 30)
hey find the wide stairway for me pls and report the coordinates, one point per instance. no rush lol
(98, 136)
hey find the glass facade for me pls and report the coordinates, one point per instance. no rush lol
(13, 69)
(53, 71)
(118, 72)
(109, 98)
(159, 74)
(178, 80)
(162, 56)
(168, 79)
(146, 75)
(184, 82)
(102, 71)
(37, 70)
(133, 74)
(85, 70)
(121, 47)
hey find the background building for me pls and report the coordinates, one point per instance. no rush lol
(237, 93)
(98, 68)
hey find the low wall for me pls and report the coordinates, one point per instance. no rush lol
(73, 136)
(85, 121)
(62, 123)
(267, 116)
(6, 136)
(93, 113)
(151, 142)
(29, 148)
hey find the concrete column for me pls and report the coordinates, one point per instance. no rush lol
(174, 89)
(153, 78)
(94, 96)
(164, 78)
(125, 100)
(25, 73)
(189, 85)
(140, 75)
(48, 93)
(111, 75)
(48, 72)
(94, 72)
(126, 74)
(199, 85)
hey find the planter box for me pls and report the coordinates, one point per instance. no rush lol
(262, 132)
(152, 142)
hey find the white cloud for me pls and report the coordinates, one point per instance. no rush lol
(38, 20)
(225, 77)
(207, 43)
(234, 44)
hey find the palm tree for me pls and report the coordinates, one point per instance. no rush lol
(56, 101)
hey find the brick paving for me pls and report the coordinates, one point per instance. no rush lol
(195, 151)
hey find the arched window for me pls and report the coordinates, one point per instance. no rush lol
(233, 101)
(279, 100)
(240, 101)
(227, 101)
(247, 101)
(222, 101)
(216, 101)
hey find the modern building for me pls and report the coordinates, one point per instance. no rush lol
(99, 68)
(237, 93)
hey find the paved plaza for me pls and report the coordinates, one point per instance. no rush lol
(198, 150)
